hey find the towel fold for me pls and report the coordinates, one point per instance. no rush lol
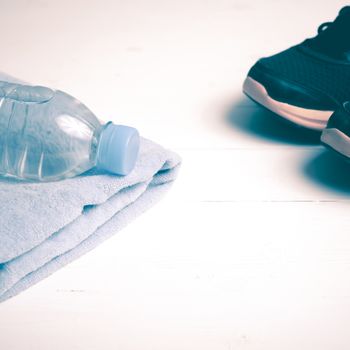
(44, 226)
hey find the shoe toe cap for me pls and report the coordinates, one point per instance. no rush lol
(285, 89)
(340, 119)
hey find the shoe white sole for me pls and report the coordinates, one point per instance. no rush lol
(308, 118)
(337, 140)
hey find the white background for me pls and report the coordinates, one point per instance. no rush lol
(251, 247)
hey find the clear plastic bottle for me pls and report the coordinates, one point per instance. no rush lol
(48, 135)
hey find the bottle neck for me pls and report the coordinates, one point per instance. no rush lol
(95, 141)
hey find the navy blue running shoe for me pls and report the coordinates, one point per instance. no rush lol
(308, 82)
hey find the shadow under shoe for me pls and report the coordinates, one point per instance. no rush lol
(258, 121)
(330, 171)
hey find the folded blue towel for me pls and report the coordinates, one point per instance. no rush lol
(44, 226)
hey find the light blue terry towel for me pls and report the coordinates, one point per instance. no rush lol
(44, 226)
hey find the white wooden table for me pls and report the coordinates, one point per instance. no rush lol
(251, 248)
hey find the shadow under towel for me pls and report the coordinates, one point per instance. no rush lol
(44, 226)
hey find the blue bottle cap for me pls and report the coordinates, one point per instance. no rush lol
(118, 149)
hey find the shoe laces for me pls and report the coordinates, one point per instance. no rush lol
(333, 38)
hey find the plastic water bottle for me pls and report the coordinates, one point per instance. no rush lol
(48, 135)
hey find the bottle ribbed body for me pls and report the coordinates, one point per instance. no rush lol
(45, 134)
